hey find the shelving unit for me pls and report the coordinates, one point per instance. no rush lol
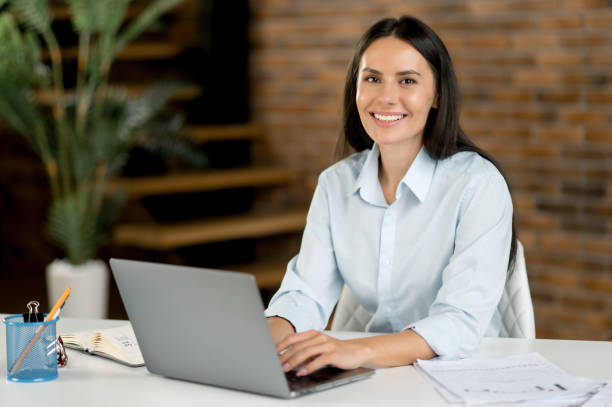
(159, 237)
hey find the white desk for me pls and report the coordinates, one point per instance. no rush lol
(93, 381)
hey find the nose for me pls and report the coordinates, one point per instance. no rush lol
(388, 93)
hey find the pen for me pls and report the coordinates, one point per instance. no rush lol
(52, 314)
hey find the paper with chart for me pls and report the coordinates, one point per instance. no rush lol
(603, 398)
(511, 379)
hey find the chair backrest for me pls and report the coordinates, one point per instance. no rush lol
(515, 306)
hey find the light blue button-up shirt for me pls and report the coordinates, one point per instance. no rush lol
(435, 260)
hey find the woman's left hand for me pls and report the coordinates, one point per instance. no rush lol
(312, 350)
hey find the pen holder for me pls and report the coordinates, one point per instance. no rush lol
(40, 362)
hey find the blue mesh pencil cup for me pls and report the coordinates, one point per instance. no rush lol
(40, 342)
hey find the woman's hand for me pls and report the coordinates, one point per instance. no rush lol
(312, 350)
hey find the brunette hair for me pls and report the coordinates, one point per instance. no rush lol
(443, 135)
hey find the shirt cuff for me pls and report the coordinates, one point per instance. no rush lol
(286, 308)
(440, 334)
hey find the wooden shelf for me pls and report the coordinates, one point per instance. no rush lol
(203, 181)
(184, 93)
(133, 52)
(171, 236)
(202, 134)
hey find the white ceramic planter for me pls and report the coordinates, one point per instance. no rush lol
(89, 285)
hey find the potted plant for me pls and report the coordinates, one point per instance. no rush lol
(81, 134)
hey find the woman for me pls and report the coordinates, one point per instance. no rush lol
(418, 223)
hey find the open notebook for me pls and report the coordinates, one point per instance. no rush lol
(118, 344)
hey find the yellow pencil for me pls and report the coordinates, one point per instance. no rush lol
(52, 314)
(58, 304)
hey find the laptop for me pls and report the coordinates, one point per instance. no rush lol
(208, 326)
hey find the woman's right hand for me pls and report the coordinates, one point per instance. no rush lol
(280, 328)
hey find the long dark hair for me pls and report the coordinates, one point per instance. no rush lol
(443, 135)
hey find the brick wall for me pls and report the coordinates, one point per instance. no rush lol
(536, 81)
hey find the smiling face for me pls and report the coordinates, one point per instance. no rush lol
(395, 91)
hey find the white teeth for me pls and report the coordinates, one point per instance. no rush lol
(388, 118)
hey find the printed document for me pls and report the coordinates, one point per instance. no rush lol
(512, 379)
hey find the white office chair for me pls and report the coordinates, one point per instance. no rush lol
(515, 306)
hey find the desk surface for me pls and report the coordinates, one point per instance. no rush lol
(93, 381)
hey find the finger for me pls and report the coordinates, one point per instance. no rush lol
(304, 355)
(315, 364)
(295, 338)
(300, 346)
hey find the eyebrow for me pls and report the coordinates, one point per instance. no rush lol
(408, 72)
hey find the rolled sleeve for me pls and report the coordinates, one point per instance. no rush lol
(312, 283)
(473, 281)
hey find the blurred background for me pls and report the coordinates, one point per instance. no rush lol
(260, 98)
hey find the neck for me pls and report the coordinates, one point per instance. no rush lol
(395, 162)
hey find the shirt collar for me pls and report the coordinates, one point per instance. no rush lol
(418, 177)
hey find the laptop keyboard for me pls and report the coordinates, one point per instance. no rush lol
(315, 378)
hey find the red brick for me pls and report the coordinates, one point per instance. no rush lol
(537, 221)
(510, 133)
(599, 20)
(484, 7)
(576, 300)
(578, 115)
(600, 96)
(560, 133)
(601, 245)
(560, 21)
(581, 332)
(536, 77)
(603, 60)
(536, 39)
(584, 39)
(539, 151)
(559, 59)
(582, 265)
(540, 5)
(512, 95)
(523, 202)
(546, 332)
(601, 284)
(559, 96)
(528, 239)
(489, 41)
(598, 320)
(558, 279)
(535, 114)
(599, 134)
(565, 242)
(580, 5)
(584, 78)
(558, 315)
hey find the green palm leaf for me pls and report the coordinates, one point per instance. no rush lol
(33, 13)
(144, 21)
(72, 227)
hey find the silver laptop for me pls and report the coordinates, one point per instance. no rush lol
(208, 326)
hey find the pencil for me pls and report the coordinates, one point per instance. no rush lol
(52, 314)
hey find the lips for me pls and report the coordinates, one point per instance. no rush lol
(387, 118)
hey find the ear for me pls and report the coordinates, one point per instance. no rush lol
(434, 105)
